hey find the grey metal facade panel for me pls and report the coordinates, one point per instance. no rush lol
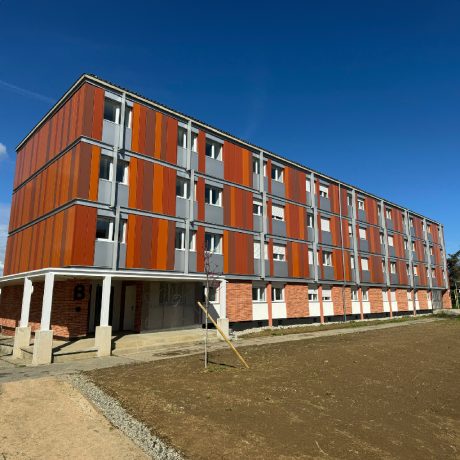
(258, 223)
(278, 188)
(311, 270)
(417, 280)
(179, 260)
(104, 191)
(412, 231)
(363, 245)
(103, 253)
(122, 255)
(257, 267)
(349, 211)
(192, 261)
(324, 204)
(310, 234)
(435, 283)
(326, 238)
(430, 238)
(214, 214)
(362, 215)
(214, 167)
(280, 268)
(366, 276)
(391, 251)
(308, 198)
(127, 139)
(394, 278)
(181, 157)
(217, 262)
(414, 256)
(353, 275)
(182, 207)
(407, 252)
(328, 273)
(109, 131)
(432, 260)
(279, 227)
(389, 224)
(194, 160)
(255, 181)
(122, 195)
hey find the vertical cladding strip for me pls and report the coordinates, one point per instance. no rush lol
(314, 192)
(385, 238)
(355, 239)
(409, 242)
(444, 259)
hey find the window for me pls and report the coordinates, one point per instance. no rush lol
(255, 165)
(349, 199)
(180, 239)
(327, 259)
(213, 149)
(122, 172)
(352, 262)
(279, 252)
(182, 139)
(266, 251)
(388, 213)
(192, 240)
(310, 257)
(390, 240)
(258, 293)
(364, 264)
(104, 228)
(256, 249)
(354, 295)
(310, 220)
(212, 242)
(212, 294)
(308, 184)
(327, 297)
(182, 188)
(411, 221)
(413, 245)
(122, 232)
(433, 273)
(362, 233)
(415, 295)
(277, 212)
(277, 294)
(325, 224)
(128, 117)
(403, 217)
(106, 168)
(350, 230)
(431, 250)
(213, 195)
(381, 238)
(277, 173)
(383, 265)
(415, 269)
(257, 208)
(313, 295)
(365, 296)
(407, 269)
(112, 111)
(405, 244)
(409, 297)
(324, 191)
(393, 268)
(379, 210)
(428, 228)
(361, 204)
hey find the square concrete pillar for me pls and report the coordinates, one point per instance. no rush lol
(21, 340)
(223, 323)
(103, 340)
(43, 348)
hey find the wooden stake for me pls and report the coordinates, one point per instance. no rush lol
(224, 336)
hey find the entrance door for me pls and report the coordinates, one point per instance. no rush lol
(130, 308)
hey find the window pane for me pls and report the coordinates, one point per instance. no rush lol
(111, 110)
(103, 229)
(122, 170)
(104, 167)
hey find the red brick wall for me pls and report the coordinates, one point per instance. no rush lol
(446, 300)
(338, 298)
(296, 300)
(422, 299)
(239, 301)
(375, 299)
(66, 321)
(401, 298)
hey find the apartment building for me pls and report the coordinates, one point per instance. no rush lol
(121, 205)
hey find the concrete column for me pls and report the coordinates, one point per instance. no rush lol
(43, 344)
(360, 296)
(389, 301)
(103, 338)
(223, 323)
(23, 332)
(321, 309)
(269, 303)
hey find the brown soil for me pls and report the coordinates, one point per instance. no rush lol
(389, 393)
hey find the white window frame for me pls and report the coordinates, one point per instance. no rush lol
(393, 268)
(354, 295)
(325, 224)
(309, 220)
(278, 173)
(362, 231)
(349, 199)
(260, 293)
(182, 239)
(323, 191)
(110, 160)
(327, 259)
(364, 264)
(184, 185)
(390, 240)
(278, 212)
(310, 257)
(125, 179)
(352, 262)
(277, 293)
(123, 231)
(415, 270)
(214, 192)
(307, 184)
(326, 295)
(313, 295)
(111, 227)
(279, 252)
(256, 165)
(117, 110)
(258, 206)
(388, 213)
(215, 151)
(192, 236)
(365, 295)
(361, 206)
(257, 249)
(216, 243)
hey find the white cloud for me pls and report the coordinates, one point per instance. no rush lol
(4, 220)
(3, 151)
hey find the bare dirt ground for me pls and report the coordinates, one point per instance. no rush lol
(390, 393)
(49, 419)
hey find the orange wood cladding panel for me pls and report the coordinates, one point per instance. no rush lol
(437, 255)
(80, 115)
(64, 239)
(297, 259)
(435, 233)
(154, 134)
(371, 205)
(74, 175)
(152, 187)
(375, 267)
(398, 244)
(397, 220)
(422, 278)
(419, 250)
(296, 221)
(237, 204)
(417, 224)
(295, 185)
(439, 278)
(401, 270)
(238, 253)
(150, 243)
(237, 164)
(373, 237)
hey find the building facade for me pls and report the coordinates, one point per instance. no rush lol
(121, 205)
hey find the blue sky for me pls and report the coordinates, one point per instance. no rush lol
(367, 92)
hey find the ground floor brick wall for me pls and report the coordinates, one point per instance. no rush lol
(339, 297)
(422, 299)
(375, 299)
(296, 296)
(401, 298)
(446, 300)
(69, 317)
(239, 301)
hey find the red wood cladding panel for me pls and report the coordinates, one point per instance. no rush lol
(150, 243)
(295, 185)
(337, 262)
(437, 255)
(347, 239)
(333, 198)
(152, 187)
(74, 175)
(397, 219)
(64, 239)
(269, 175)
(154, 134)
(199, 241)
(398, 244)
(417, 223)
(200, 188)
(371, 205)
(201, 145)
(296, 221)
(401, 270)
(335, 230)
(419, 250)
(297, 259)
(237, 205)
(422, 275)
(373, 237)
(375, 267)
(81, 115)
(238, 253)
(348, 270)
(439, 278)
(237, 164)
(435, 233)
